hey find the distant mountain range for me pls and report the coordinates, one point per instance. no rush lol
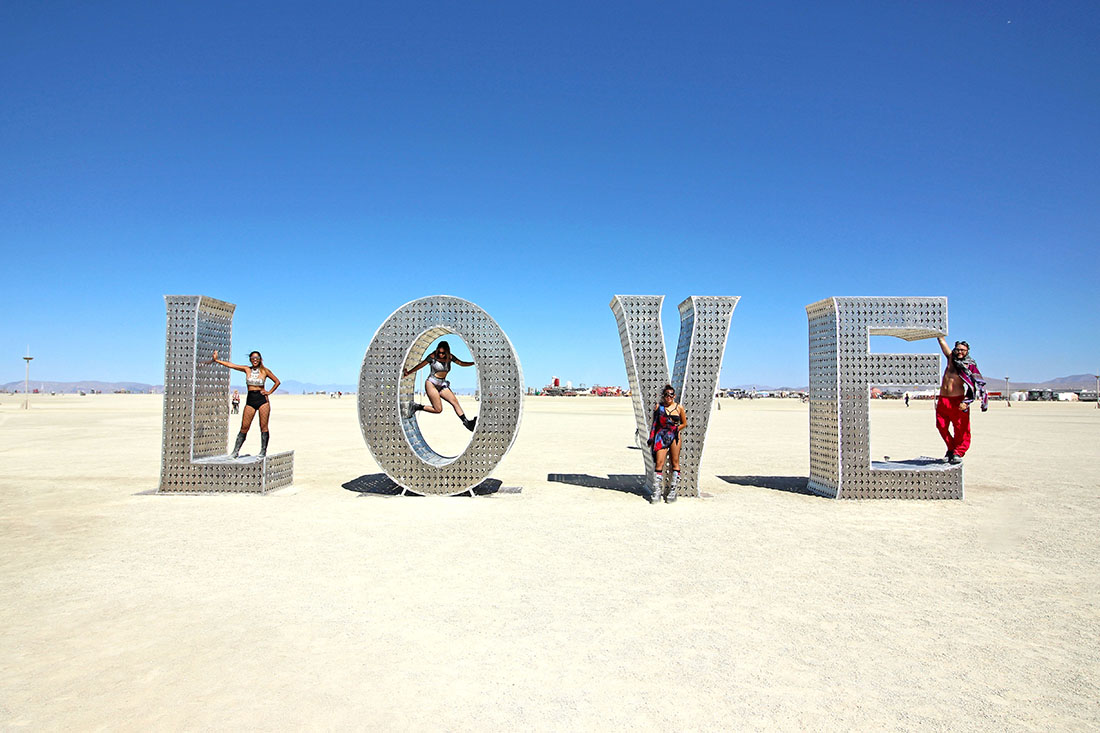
(993, 384)
(288, 386)
(85, 386)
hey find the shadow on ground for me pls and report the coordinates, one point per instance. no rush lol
(627, 483)
(379, 484)
(790, 484)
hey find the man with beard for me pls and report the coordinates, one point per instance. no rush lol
(962, 384)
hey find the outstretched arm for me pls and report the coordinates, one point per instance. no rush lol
(943, 347)
(238, 367)
(458, 361)
(418, 367)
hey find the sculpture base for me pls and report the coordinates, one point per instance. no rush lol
(918, 478)
(222, 474)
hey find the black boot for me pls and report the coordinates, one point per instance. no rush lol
(264, 437)
(238, 444)
(468, 423)
(414, 407)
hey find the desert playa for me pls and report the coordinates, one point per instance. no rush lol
(572, 605)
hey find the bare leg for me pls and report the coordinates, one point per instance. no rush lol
(453, 400)
(449, 395)
(661, 456)
(674, 449)
(433, 395)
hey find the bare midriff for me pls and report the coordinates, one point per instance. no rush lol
(952, 385)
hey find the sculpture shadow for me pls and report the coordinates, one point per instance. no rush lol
(379, 484)
(627, 483)
(790, 484)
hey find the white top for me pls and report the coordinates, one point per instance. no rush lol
(255, 378)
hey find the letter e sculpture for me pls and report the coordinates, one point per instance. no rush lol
(842, 371)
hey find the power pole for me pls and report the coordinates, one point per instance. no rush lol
(1008, 393)
(27, 380)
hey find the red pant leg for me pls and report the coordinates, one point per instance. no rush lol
(943, 422)
(961, 425)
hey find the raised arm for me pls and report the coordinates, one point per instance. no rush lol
(238, 367)
(274, 379)
(418, 367)
(943, 347)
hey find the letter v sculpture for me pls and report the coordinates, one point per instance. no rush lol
(704, 327)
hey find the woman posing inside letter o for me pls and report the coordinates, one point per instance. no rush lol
(437, 387)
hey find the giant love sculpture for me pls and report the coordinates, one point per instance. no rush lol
(194, 456)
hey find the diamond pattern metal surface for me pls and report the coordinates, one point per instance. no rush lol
(394, 438)
(704, 327)
(194, 455)
(842, 371)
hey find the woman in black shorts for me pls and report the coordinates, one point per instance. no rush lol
(256, 377)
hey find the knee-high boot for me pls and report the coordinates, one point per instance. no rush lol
(264, 436)
(656, 490)
(674, 487)
(238, 444)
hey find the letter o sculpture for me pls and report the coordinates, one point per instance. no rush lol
(394, 439)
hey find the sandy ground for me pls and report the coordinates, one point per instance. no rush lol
(569, 606)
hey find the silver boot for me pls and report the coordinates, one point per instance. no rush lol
(655, 490)
(672, 489)
(263, 443)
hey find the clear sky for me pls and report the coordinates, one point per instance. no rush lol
(322, 164)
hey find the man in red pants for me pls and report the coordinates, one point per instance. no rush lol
(962, 384)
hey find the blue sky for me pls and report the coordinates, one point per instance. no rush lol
(321, 165)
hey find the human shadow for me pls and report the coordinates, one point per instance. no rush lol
(627, 483)
(379, 484)
(790, 484)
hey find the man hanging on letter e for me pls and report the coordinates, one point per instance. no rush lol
(962, 384)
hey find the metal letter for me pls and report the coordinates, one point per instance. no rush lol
(842, 371)
(194, 458)
(704, 326)
(394, 439)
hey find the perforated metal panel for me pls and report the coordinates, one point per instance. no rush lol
(394, 439)
(194, 458)
(704, 327)
(842, 371)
